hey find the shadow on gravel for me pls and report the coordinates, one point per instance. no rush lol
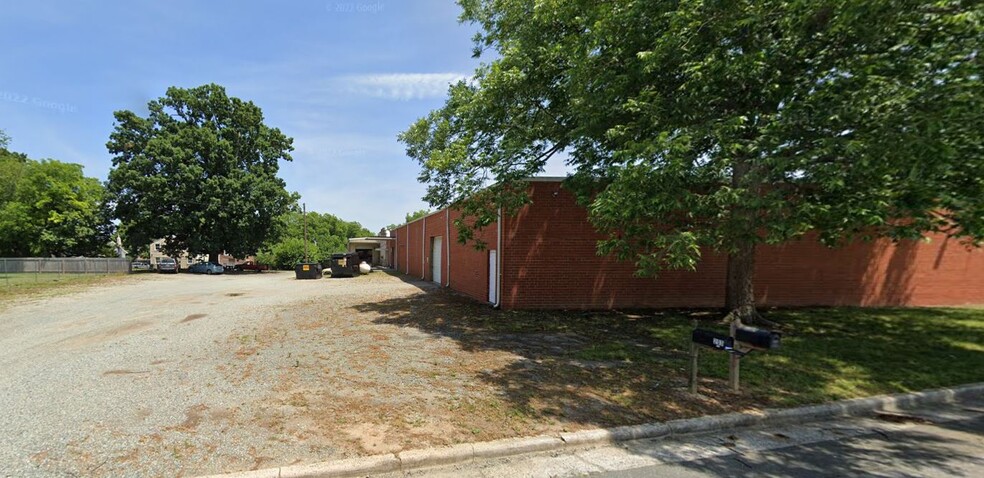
(417, 282)
(379, 275)
(589, 369)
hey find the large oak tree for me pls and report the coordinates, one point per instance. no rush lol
(697, 126)
(200, 171)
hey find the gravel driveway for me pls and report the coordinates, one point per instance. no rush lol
(161, 375)
(189, 375)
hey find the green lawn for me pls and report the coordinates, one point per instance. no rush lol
(615, 368)
(826, 354)
(15, 285)
(840, 353)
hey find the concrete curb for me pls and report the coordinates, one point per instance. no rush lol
(415, 459)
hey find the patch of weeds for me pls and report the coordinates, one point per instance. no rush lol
(522, 413)
(414, 421)
(615, 352)
(297, 400)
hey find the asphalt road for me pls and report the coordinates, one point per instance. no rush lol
(938, 441)
(924, 450)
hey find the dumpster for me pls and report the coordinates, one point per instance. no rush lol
(344, 264)
(307, 270)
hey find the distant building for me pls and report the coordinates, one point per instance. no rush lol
(374, 250)
(184, 260)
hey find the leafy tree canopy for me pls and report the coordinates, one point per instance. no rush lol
(200, 171)
(326, 235)
(410, 217)
(695, 126)
(49, 208)
(413, 216)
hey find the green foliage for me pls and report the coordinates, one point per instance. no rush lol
(284, 254)
(326, 234)
(715, 125)
(200, 171)
(49, 208)
(413, 216)
(410, 217)
(12, 166)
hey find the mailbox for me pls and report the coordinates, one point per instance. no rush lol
(758, 338)
(713, 339)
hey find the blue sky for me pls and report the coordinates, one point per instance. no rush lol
(342, 78)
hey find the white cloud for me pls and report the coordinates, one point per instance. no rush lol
(346, 145)
(403, 86)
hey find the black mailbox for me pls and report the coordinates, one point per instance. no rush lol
(758, 338)
(713, 339)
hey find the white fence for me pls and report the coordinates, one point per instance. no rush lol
(64, 265)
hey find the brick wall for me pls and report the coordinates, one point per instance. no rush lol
(470, 266)
(878, 273)
(467, 269)
(549, 261)
(412, 255)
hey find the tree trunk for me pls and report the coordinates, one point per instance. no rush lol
(740, 290)
(739, 293)
(213, 257)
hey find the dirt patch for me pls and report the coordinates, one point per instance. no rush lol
(39, 458)
(193, 417)
(88, 339)
(374, 438)
(193, 317)
(381, 372)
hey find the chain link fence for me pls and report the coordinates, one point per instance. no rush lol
(16, 270)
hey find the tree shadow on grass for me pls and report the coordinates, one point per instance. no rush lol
(582, 369)
(572, 368)
(839, 353)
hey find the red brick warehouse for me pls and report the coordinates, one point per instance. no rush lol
(545, 257)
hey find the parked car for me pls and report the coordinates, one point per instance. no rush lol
(206, 268)
(166, 264)
(252, 266)
(140, 265)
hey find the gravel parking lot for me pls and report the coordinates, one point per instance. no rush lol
(187, 375)
(166, 375)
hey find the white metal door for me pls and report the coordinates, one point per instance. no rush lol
(436, 259)
(493, 277)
